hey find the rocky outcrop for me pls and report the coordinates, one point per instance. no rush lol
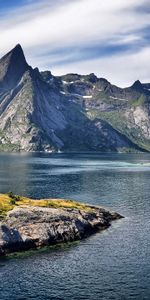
(32, 227)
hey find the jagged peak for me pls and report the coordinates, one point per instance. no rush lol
(46, 75)
(17, 48)
(137, 85)
(92, 77)
(16, 51)
(18, 54)
(12, 66)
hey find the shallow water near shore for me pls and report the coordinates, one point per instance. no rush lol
(113, 264)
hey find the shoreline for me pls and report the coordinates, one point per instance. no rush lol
(32, 224)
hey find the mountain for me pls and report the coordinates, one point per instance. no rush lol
(42, 112)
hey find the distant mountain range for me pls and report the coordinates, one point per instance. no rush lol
(42, 112)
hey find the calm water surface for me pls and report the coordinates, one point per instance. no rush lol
(114, 264)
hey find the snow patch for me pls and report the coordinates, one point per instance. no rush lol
(68, 82)
(84, 97)
(77, 95)
(87, 97)
(122, 99)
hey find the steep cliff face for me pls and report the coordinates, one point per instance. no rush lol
(41, 112)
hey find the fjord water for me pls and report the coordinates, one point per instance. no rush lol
(113, 264)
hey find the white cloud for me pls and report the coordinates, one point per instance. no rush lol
(47, 27)
(119, 69)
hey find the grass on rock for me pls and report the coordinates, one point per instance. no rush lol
(10, 201)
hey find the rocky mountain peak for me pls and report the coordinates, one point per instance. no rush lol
(137, 85)
(43, 112)
(17, 50)
(47, 75)
(92, 78)
(12, 67)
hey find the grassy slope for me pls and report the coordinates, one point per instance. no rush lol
(7, 203)
(117, 119)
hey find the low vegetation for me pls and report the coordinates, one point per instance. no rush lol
(138, 102)
(10, 201)
(123, 125)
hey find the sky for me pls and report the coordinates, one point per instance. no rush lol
(110, 38)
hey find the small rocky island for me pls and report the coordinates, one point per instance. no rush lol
(27, 224)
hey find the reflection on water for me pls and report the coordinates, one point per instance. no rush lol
(110, 265)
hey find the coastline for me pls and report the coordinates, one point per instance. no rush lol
(32, 224)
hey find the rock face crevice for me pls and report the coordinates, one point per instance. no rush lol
(33, 227)
(69, 113)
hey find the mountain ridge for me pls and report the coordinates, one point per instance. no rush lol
(43, 112)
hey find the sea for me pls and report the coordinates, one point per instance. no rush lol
(111, 265)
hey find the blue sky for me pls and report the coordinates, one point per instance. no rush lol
(110, 38)
(9, 3)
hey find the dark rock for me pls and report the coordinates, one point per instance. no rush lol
(33, 227)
